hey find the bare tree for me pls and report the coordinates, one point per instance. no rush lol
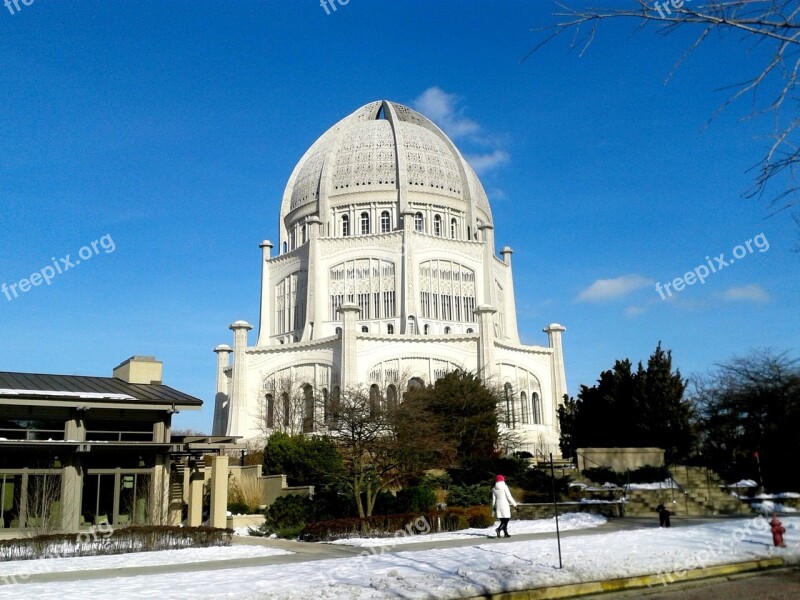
(775, 23)
(366, 439)
(288, 405)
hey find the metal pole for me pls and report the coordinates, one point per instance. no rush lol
(555, 505)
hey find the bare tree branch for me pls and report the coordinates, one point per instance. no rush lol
(775, 22)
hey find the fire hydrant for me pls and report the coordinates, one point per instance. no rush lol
(777, 532)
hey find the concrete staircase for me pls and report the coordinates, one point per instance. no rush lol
(702, 487)
(698, 494)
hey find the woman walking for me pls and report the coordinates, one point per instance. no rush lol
(502, 501)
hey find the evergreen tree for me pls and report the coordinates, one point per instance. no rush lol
(641, 408)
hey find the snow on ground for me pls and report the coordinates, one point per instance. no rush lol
(743, 483)
(489, 567)
(133, 559)
(515, 527)
(768, 507)
(658, 485)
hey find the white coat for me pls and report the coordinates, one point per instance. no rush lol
(502, 500)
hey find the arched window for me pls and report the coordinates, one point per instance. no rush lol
(285, 247)
(419, 223)
(410, 328)
(308, 409)
(333, 411)
(447, 330)
(374, 399)
(391, 397)
(386, 222)
(468, 233)
(537, 409)
(523, 401)
(364, 329)
(270, 402)
(345, 225)
(326, 406)
(508, 396)
(437, 225)
(426, 329)
(338, 331)
(470, 330)
(364, 223)
(453, 228)
(286, 411)
(390, 328)
(303, 238)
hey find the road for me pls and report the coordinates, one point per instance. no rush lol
(775, 585)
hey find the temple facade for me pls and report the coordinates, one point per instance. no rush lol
(385, 276)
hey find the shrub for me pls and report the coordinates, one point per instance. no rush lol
(287, 516)
(649, 474)
(106, 540)
(479, 517)
(601, 475)
(239, 508)
(305, 460)
(451, 519)
(416, 499)
(645, 474)
(386, 504)
(469, 495)
(538, 485)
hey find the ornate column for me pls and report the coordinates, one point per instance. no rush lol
(316, 289)
(220, 424)
(557, 372)
(487, 238)
(486, 364)
(266, 295)
(349, 367)
(237, 404)
(406, 289)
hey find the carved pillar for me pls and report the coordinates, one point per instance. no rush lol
(237, 404)
(349, 366)
(265, 312)
(486, 364)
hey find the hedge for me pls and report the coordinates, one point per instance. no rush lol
(105, 540)
(450, 519)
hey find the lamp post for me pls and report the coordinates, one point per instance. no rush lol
(555, 505)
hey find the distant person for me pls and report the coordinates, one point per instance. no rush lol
(663, 515)
(502, 501)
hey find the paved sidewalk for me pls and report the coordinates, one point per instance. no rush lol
(308, 552)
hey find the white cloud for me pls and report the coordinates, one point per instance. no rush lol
(484, 162)
(745, 293)
(440, 107)
(610, 289)
(634, 311)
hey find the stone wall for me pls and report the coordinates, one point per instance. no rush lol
(619, 459)
(547, 510)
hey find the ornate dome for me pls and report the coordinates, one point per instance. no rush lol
(357, 161)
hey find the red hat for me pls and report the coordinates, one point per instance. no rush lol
(500, 478)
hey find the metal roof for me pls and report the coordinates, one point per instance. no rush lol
(95, 388)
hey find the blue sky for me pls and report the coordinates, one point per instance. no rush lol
(172, 128)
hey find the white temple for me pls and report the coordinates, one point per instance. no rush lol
(385, 276)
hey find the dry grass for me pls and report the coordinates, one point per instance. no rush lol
(246, 490)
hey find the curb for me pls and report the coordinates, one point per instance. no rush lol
(630, 583)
